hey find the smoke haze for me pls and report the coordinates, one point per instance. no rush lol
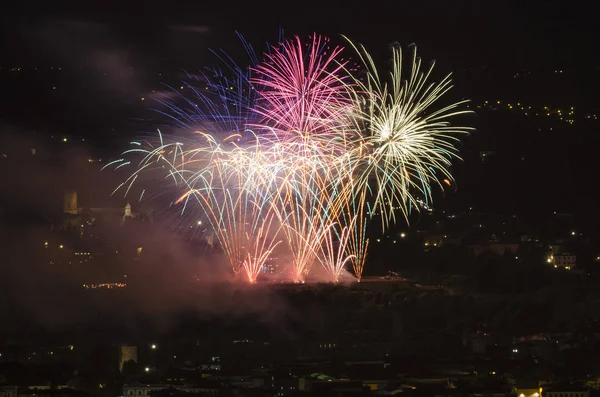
(173, 275)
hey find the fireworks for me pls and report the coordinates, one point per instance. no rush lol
(409, 142)
(298, 151)
(303, 91)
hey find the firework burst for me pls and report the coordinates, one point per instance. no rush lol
(406, 143)
(298, 149)
(303, 90)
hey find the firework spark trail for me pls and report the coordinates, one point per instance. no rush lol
(349, 216)
(161, 157)
(233, 191)
(303, 89)
(223, 99)
(261, 246)
(355, 215)
(333, 257)
(301, 206)
(411, 144)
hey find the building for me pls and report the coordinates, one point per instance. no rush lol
(528, 391)
(8, 391)
(561, 259)
(205, 387)
(567, 261)
(127, 353)
(567, 392)
(48, 391)
(139, 390)
(70, 203)
(322, 384)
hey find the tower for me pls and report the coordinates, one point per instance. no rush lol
(127, 211)
(128, 214)
(70, 202)
(127, 353)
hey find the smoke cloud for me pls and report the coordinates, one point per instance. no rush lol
(167, 272)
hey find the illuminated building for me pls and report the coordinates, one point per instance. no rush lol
(568, 261)
(136, 390)
(529, 392)
(70, 203)
(558, 257)
(567, 392)
(127, 211)
(145, 390)
(8, 391)
(127, 353)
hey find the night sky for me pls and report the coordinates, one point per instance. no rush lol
(461, 34)
(516, 31)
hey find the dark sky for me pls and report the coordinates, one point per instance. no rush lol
(511, 33)
(114, 51)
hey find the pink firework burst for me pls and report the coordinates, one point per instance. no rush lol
(303, 88)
